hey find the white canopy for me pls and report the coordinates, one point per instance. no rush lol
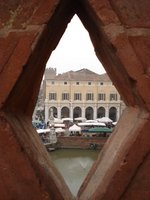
(104, 119)
(91, 124)
(43, 130)
(75, 128)
(67, 119)
(91, 121)
(59, 130)
(114, 123)
(59, 121)
(80, 119)
(58, 125)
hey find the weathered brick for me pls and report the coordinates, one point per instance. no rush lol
(141, 45)
(143, 87)
(6, 10)
(25, 168)
(104, 11)
(127, 55)
(44, 12)
(131, 13)
(15, 63)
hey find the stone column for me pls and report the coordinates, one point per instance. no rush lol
(95, 112)
(83, 111)
(71, 111)
(59, 112)
(118, 112)
(107, 111)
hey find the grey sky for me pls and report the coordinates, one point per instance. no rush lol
(75, 50)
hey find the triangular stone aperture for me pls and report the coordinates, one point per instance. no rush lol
(26, 43)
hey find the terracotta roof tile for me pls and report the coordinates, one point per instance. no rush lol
(82, 75)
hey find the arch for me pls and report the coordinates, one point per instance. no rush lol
(77, 112)
(54, 111)
(101, 112)
(89, 113)
(113, 113)
(65, 112)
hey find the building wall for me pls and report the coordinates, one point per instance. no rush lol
(57, 86)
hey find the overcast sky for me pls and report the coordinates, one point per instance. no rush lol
(75, 50)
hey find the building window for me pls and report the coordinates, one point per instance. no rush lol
(52, 82)
(77, 96)
(52, 96)
(101, 97)
(65, 96)
(89, 83)
(101, 83)
(113, 97)
(77, 83)
(89, 96)
(65, 83)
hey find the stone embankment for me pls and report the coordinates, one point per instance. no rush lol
(80, 142)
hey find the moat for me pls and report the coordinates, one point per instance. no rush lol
(74, 164)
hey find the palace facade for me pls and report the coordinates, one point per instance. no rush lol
(81, 93)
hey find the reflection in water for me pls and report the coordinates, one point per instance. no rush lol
(74, 164)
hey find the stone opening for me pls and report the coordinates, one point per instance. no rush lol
(116, 41)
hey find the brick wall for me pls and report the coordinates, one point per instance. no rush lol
(80, 142)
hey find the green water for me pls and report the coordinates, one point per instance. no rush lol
(74, 164)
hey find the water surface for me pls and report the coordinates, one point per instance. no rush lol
(74, 164)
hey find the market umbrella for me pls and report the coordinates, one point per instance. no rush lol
(75, 128)
(100, 130)
(104, 119)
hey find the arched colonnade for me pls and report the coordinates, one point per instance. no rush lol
(88, 112)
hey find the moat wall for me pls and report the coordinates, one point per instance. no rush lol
(80, 142)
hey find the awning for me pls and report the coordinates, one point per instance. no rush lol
(59, 130)
(67, 119)
(100, 130)
(91, 124)
(59, 121)
(43, 130)
(80, 119)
